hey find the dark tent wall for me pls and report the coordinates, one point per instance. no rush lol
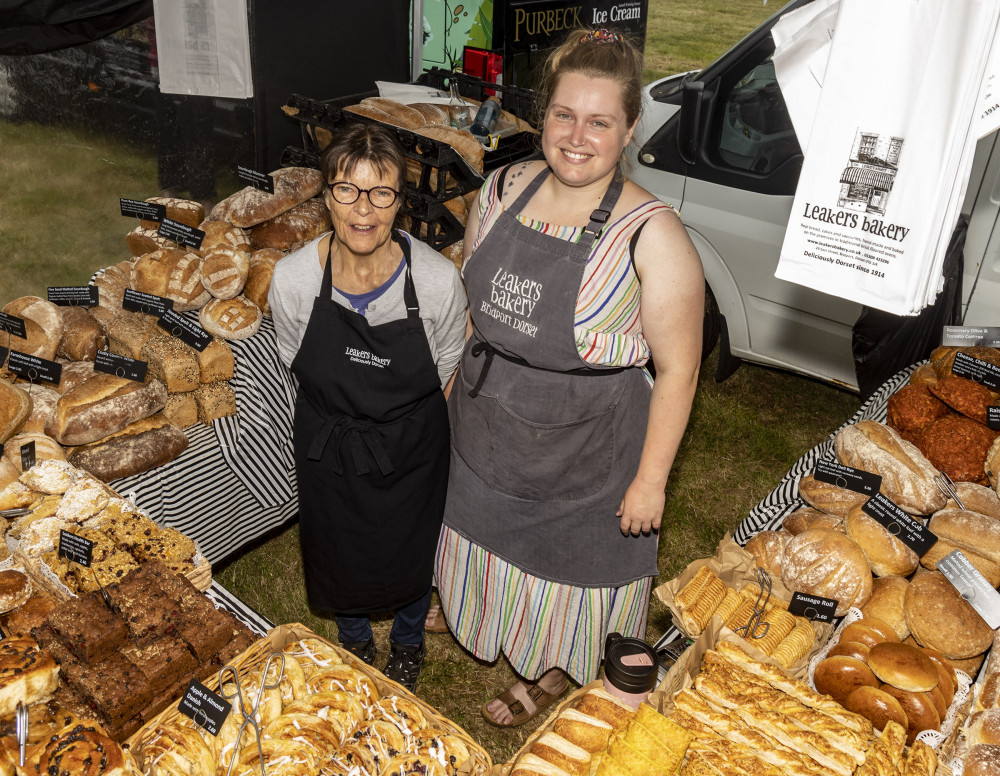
(36, 26)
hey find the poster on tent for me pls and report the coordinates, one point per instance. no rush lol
(888, 147)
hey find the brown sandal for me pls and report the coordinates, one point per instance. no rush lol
(533, 702)
(435, 622)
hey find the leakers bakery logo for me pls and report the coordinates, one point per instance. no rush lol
(366, 358)
(512, 296)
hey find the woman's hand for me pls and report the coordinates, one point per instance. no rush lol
(642, 508)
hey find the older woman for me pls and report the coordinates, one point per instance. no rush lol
(562, 441)
(371, 323)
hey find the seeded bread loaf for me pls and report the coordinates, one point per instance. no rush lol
(172, 362)
(181, 409)
(215, 400)
(216, 361)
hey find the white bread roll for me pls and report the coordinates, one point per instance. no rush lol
(101, 406)
(982, 760)
(828, 564)
(886, 554)
(983, 727)
(977, 498)
(827, 497)
(45, 448)
(969, 531)
(768, 549)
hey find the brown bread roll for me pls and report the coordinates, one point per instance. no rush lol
(876, 705)
(947, 680)
(259, 277)
(937, 697)
(965, 396)
(43, 323)
(292, 186)
(983, 727)
(912, 408)
(982, 760)
(101, 406)
(886, 554)
(855, 649)
(886, 603)
(294, 228)
(767, 549)
(903, 666)
(803, 519)
(827, 497)
(921, 713)
(839, 676)
(183, 211)
(828, 564)
(939, 618)
(82, 335)
(224, 272)
(861, 633)
(943, 547)
(138, 447)
(977, 498)
(15, 408)
(231, 319)
(970, 531)
(907, 476)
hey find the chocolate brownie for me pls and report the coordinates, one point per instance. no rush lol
(88, 627)
(162, 661)
(115, 687)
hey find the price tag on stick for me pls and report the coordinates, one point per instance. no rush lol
(813, 607)
(182, 234)
(858, 480)
(983, 372)
(13, 325)
(27, 455)
(120, 366)
(34, 368)
(180, 327)
(75, 548)
(909, 531)
(204, 707)
(258, 180)
(73, 296)
(147, 211)
(139, 302)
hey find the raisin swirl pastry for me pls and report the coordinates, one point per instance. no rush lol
(402, 712)
(27, 673)
(413, 765)
(448, 750)
(346, 679)
(82, 750)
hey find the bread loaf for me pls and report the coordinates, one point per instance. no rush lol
(965, 396)
(828, 564)
(15, 408)
(111, 283)
(992, 465)
(768, 549)
(129, 331)
(943, 547)
(292, 186)
(43, 404)
(982, 760)
(827, 497)
(215, 400)
(184, 284)
(43, 323)
(215, 362)
(74, 373)
(939, 618)
(102, 406)
(371, 112)
(911, 409)
(259, 278)
(139, 447)
(172, 362)
(803, 519)
(470, 149)
(886, 554)
(294, 228)
(410, 118)
(231, 319)
(183, 211)
(222, 234)
(45, 448)
(977, 498)
(181, 409)
(432, 114)
(82, 335)
(969, 531)
(224, 272)
(142, 241)
(924, 376)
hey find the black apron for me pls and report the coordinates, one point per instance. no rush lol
(544, 444)
(371, 455)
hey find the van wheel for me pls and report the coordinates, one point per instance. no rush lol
(712, 324)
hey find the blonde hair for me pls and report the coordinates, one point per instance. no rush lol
(596, 54)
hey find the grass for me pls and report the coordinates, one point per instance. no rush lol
(60, 221)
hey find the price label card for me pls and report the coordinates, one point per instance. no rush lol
(13, 325)
(813, 607)
(120, 366)
(972, 586)
(911, 532)
(185, 330)
(992, 415)
(967, 336)
(3, 355)
(204, 707)
(139, 302)
(258, 180)
(182, 234)
(75, 548)
(27, 455)
(34, 368)
(147, 211)
(859, 481)
(73, 296)
(983, 372)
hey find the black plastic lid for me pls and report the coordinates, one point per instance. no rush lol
(629, 679)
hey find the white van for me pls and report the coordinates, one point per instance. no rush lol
(719, 146)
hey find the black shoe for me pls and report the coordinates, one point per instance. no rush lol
(363, 650)
(405, 662)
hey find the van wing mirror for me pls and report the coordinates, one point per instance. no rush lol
(692, 100)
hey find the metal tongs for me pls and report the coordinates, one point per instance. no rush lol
(15, 512)
(21, 730)
(755, 629)
(251, 717)
(104, 593)
(946, 486)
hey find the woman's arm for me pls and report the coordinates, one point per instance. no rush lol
(671, 309)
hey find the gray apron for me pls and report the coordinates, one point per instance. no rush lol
(543, 444)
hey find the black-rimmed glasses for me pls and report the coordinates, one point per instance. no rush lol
(347, 194)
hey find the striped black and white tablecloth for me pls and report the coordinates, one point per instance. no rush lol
(253, 619)
(236, 480)
(784, 498)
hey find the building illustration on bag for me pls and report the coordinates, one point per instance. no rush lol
(867, 180)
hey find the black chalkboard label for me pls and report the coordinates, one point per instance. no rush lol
(187, 331)
(258, 180)
(992, 416)
(139, 302)
(204, 707)
(859, 481)
(75, 548)
(909, 531)
(3, 355)
(983, 372)
(147, 211)
(13, 325)
(120, 366)
(73, 296)
(972, 586)
(34, 368)
(813, 607)
(182, 234)
(27, 455)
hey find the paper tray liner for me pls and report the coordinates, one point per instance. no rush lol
(256, 655)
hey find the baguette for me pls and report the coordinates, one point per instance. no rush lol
(102, 406)
(139, 447)
(470, 149)
(292, 186)
(410, 118)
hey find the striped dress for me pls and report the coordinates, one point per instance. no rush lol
(492, 605)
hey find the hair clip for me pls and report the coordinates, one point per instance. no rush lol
(601, 36)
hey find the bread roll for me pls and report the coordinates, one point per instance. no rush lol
(937, 698)
(43, 404)
(183, 211)
(903, 666)
(969, 531)
(102, 406)
(138, 447)
(15, 408)
(82, 335)
(231, 319)
(292, 186)
(222, 234)
(943, 547)
(828, 564)
(969, 665)
(886, 604)
(839, 676)
(939, 618)
(861, 633)
(957, 446)
(947, 680)
(886, 554)
(45, 448)
(876, 705)
(767, 549)
(921, 713)
(855, 649)
(964, 396)
(907, 476)
(977, 498)
(982, 760)
(224, 272)
(803, 519)
(827, 497)
(43, 323)
(294, 228)
(259, 277)
(992, 465)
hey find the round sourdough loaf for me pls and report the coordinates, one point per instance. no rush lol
(904, 666)
(768, 548)
(259, 278)
(886, 554)
(142, 241)
(828, 564)
(939, 618)
(43, 323)
(16, 407)
(224, 271)
(231, 319)
(827, 497)
(184, 284)
(222, 234)
(803, 519)
(840, 675)
(957, 446)
(151, 271)
(877, 706)
(74, 373)
(45, 447)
